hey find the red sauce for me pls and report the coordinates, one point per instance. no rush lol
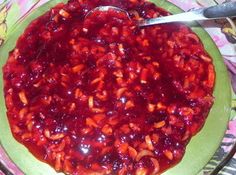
(99, 94)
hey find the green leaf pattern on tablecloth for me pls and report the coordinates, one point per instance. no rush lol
(9, 18)
(3, 14)
(3, 25)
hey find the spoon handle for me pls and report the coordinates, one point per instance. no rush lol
(221, 11)
(215, 12)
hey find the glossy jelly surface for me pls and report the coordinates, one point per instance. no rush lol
(96, 94)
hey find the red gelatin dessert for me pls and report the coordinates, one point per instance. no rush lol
(97, 94)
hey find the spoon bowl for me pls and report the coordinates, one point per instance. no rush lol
(107, 8)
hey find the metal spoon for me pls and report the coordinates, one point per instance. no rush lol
(215, 12)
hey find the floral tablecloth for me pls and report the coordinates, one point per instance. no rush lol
(223, 33)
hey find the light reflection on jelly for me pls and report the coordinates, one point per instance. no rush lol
(123, 100)
(101, 138)
(85, 148)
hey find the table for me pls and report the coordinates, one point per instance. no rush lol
(12, 11)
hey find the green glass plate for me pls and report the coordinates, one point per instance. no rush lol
(200, 149)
